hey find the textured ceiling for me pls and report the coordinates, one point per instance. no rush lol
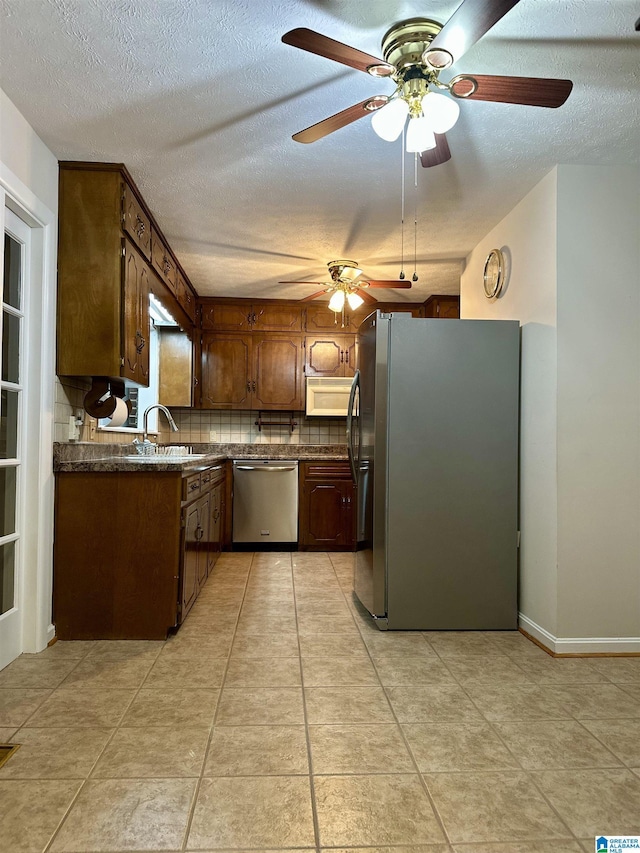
(199, 98)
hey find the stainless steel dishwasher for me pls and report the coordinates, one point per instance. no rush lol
(265, 501)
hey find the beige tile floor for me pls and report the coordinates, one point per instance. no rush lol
(280, 718)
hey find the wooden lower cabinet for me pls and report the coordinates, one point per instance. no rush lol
(132, 550)
(327, 507)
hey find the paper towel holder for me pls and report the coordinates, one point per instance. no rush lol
(100, 400)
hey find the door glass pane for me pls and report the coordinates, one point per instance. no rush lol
(7, 501)
(12, 272)
(10, 347)
(7, 562)
(9, 425)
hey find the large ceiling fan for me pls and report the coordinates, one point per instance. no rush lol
(348, 284)
(415, 52)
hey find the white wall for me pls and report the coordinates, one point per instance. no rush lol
(574, 284)
(528, 238)
(29, 185)
(599, 401)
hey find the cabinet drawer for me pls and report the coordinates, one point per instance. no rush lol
(186, 297)
(191, 487)
(162, 261)
(135, 221)
(332, 470)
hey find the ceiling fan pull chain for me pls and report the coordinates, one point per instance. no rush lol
(401, 276)
(414, 277)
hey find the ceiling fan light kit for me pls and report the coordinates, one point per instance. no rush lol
(415, 51)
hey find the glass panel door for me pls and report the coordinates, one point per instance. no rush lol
(12, 337)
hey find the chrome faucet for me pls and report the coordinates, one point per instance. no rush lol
(145, 419)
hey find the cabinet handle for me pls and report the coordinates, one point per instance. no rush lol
(249, 386)
(216, 515)
(199, 533)
(194, 486)
(167, 266)
(341, 356)
(253, 386)
(139, 227)
(140, 342)
(346, 356)
(249, 315)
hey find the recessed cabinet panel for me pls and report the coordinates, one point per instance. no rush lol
(135, 316)
(276, 318)
(327, 355)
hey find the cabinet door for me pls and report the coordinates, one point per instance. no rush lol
(204, 524)
(320, 318)
(135, 221)
(277, 371)
(226, 316)
(215, 524)
(135, 317)
(330, 355)
(328, 515)
(225, 381)
(442, 307)
(324, 355)
(163, 261)
(189, 579)
(276, 318)
(186, 297)
(175, 367)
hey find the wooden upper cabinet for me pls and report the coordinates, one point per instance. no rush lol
(225, 380)
(320, 318)
(135, 221)
(186, 297)
(276, 317)
(227, 316)
(251, 371)
(244, 315)
(106, 238)
(277, 374)
(163, 261)
(175, 367)
(445, 307)
(330, 355)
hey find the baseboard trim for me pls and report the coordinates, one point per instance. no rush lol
(579, 646)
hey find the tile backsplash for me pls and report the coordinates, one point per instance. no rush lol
(223, 427)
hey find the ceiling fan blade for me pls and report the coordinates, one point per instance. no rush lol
(314, 42)
(313, 295)
(532, 91)
(366, 297)
(471, 20)
(389, 284)
(303, 282)
(437, 155)
(335, 122)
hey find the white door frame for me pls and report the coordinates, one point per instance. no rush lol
(36, 586)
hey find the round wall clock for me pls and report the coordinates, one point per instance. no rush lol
(493, 275)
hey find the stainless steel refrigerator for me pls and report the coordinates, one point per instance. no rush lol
(433, 443)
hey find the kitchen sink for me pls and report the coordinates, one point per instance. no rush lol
(164, 457)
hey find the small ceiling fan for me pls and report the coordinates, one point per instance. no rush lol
(348, 284)
(415, 52)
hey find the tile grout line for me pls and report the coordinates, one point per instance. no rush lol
(198, 786)
(85, 782)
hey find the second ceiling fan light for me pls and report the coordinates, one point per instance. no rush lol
(432, 114)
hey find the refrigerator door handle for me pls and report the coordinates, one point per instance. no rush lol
(352, 398)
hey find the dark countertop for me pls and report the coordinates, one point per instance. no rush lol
(90, 456)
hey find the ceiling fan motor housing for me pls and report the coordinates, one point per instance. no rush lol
(405, 42)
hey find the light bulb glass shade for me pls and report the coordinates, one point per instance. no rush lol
(389, 120)
(336, 303)
(440, 111)
(354, 300)
(420, 135)
(351, 273)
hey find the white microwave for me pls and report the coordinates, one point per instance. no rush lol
(328, 396)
